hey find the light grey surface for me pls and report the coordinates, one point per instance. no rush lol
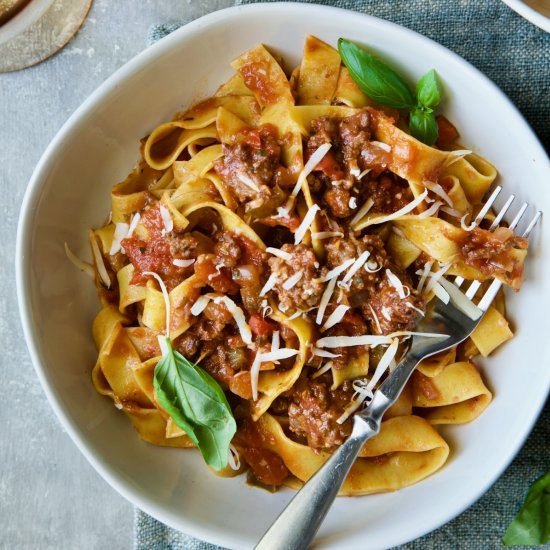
(50, 497)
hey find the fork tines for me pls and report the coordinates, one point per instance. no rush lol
(495, 285)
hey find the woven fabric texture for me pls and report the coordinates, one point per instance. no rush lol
(516, 56)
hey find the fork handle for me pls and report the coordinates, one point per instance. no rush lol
(296, 526)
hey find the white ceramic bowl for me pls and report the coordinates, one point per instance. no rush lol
(536, 11)
(69, 192)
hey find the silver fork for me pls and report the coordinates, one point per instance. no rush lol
(455, 320)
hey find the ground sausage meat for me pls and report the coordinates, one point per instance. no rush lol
(355, 136)
(386, 311)
(307, 291)
(350, 248)
(371, 291)
(353, 147)
(253, 171)
(337, 198)
(493, 254)
(389, 193)
(314, 410)
(227, 249)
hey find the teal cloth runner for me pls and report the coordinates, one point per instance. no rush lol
(516, 56)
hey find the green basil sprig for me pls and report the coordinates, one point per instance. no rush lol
(383, 85)
(532, 524)
(197, 405)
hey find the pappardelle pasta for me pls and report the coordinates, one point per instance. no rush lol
(300, 232)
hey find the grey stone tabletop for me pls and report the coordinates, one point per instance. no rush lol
(50, 497)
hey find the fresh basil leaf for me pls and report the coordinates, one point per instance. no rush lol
(532, 524)
(427, 90)
(378, 81)
(197, 405)
(423, 125)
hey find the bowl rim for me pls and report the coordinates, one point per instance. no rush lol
(25, 229)
(530, 13)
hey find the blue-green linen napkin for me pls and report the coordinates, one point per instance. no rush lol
(516, 56)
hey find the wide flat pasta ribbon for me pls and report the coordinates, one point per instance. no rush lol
(319, 72)
(406, 450)
(273, 383)
(455, 395)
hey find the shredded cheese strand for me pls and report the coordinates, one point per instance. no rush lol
(322, 369)
(395, 281)
(178, 262)
(398, 214)
(325, 298)
(383, 364)
(279, 253)
(347, 341)
(248, 181)
(98, 259)
(121, 232)
(77, 262)
(166, 299)
(306, 222)
(356, 266)
(310, 165)
(166, 218)
(362, 212)
(334, 273)
(238, 315)
(269, 284)
(335, 317)
(291, 282)
(233, 458)
(323, 353)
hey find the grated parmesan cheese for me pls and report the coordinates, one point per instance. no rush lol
(248, 181)
(166, 219)
(434, 277)
(133, 224)
(306, 223)
(356, 266)
(279, 253)
(291, 282)
(430, 211)
(438, 190)
(121, 231)
(323, 353)
(335, 317)
(381, 145)
(376, 320)
(363, 173)
(469, 227)
(178, 262)
(397, 284)
(325, 298)
(310, 165)
(166, 304)
(322, 369)
(238, 315)
(362, 212)
(200, 304)
(269, 284)
(334, 273)
(233, 458)
(424, 275)
(347, 341)
(98, 259)
(77, 262)
(401, 212)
